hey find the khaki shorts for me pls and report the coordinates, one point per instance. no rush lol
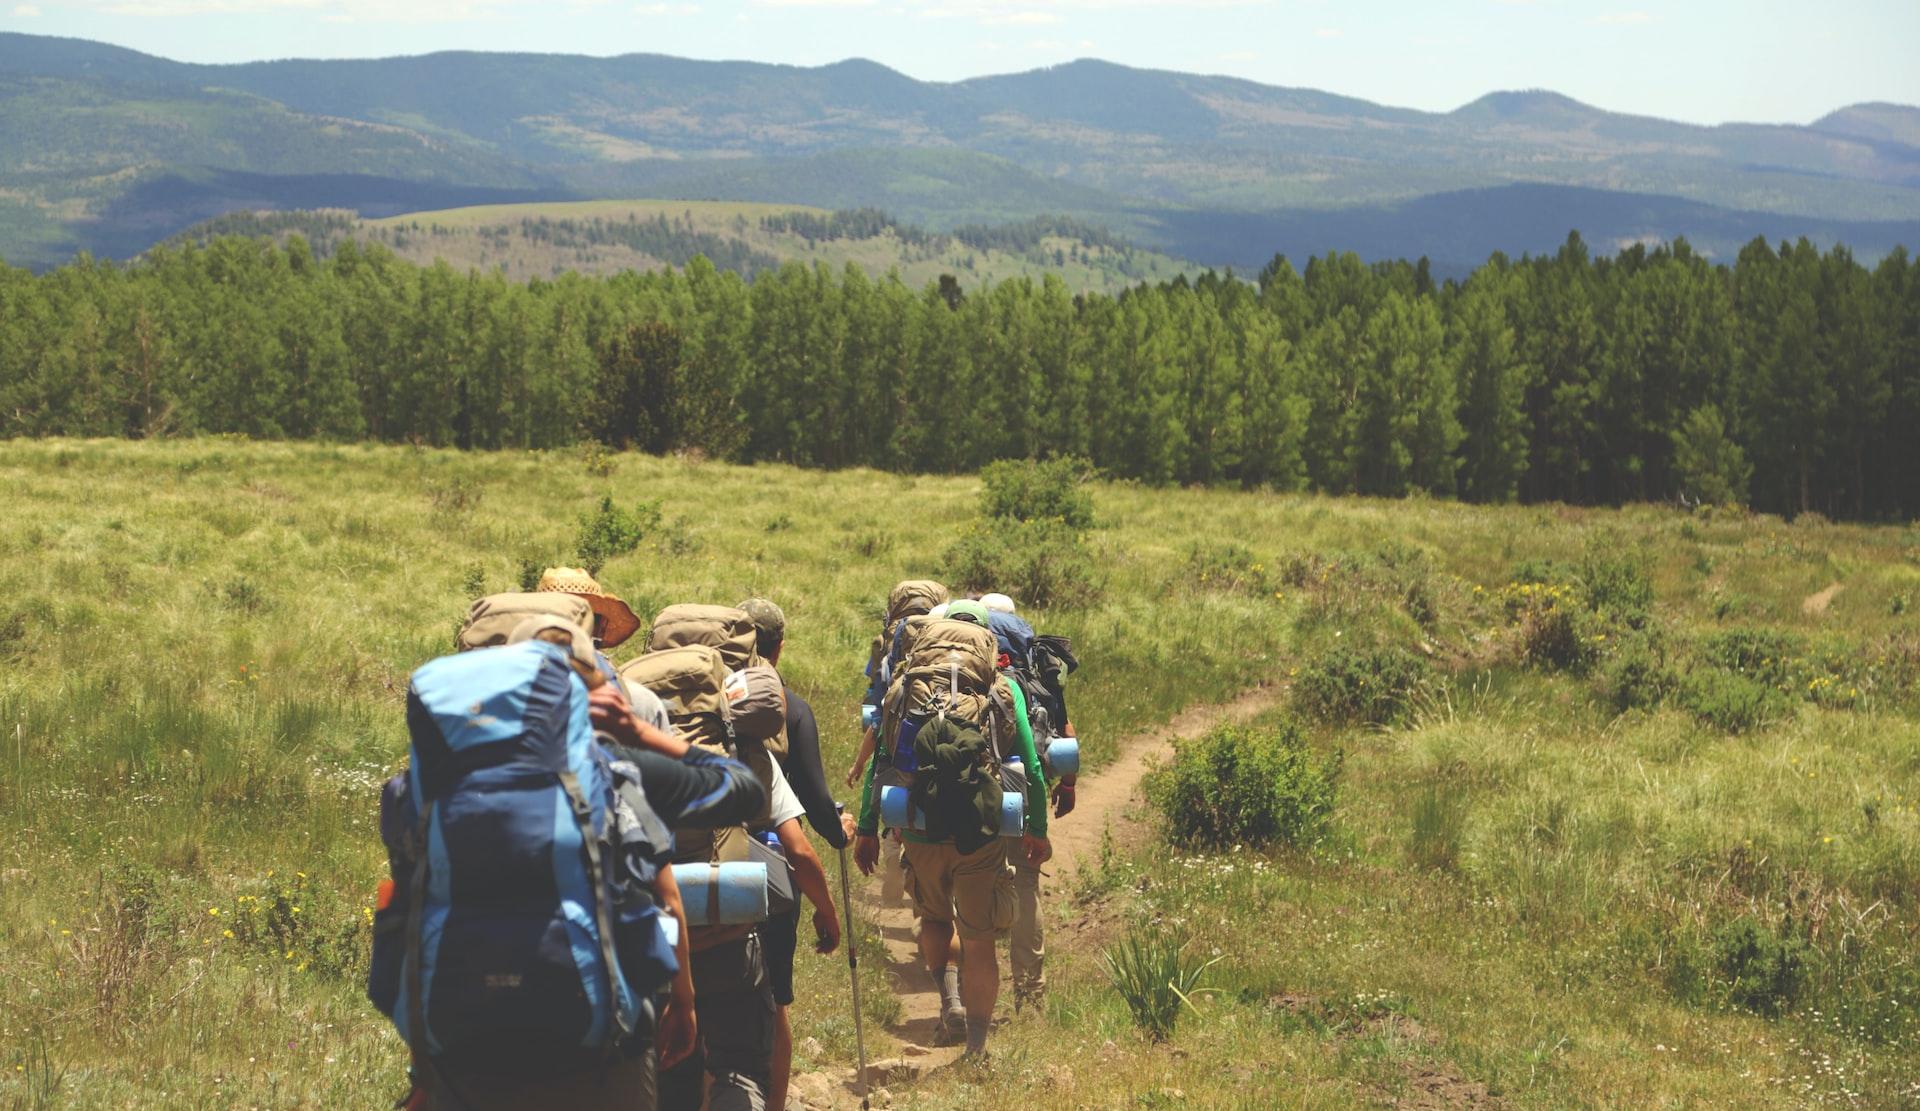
(974, 892)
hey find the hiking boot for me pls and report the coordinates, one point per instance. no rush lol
(1026, 997)
(953, 1026)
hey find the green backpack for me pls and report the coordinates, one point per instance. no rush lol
(957, 784)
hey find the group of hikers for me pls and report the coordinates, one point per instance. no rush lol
(596, 871)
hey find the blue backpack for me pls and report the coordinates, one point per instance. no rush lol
(522, 932)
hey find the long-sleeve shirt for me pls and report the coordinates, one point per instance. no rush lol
(1036, 816)
(701, 791)
(806, 775)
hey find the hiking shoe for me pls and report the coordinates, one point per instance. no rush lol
(953, 1027)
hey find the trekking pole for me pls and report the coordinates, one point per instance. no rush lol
(853, 967)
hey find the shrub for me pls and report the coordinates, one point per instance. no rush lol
(612, 531)
(1763, 655)
(1765, 969)
(1373, 686)
(1043, 563)
(1616, 582)
(1156, 976)
(1237, 786)
(1731, 702)
(1638, 677)
(1227, 567)
(1037, 490)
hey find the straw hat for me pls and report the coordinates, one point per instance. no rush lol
(618, 617)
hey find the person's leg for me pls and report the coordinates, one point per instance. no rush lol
(738, 1032)
(1027, 948)
(929, 883)
(983, 907)
(782, 937)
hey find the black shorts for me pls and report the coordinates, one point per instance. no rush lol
(781, 938)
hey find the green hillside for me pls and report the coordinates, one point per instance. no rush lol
(604, 237)
(1625, 815)
(1151, 153)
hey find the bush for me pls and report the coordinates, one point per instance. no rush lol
(1731, 702)
(1763, 655)
(1373, 686)
(1227, 567)
(1043, 563)
(1237, 786)
(1156, 975)
(1765, 969)
(1638, 677)
(1038, 490)
(1616, 582)
(611, 531)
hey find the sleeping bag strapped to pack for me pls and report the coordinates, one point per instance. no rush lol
(522, 935)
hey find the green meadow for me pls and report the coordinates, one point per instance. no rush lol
(1625, 811)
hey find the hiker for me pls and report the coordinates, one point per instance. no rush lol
(723, 694)
(948, 720)
(499, 878)
(808, 779)
(613, 623)
(908, 598)
(1047, 713)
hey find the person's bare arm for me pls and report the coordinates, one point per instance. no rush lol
(679, 1027)
(812, 880)
(860, 759)
(607, 708)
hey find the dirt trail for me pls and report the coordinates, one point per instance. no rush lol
(1815, 605)
(906, 1050)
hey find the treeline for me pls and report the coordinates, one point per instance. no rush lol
(1790, 378)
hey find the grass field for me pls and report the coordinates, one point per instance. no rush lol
(1526, 895)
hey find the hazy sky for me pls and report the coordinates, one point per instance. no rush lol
(1701, 60)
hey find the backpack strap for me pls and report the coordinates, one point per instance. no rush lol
(416, 1008)
(602, 906)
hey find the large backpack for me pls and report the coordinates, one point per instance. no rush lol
(492, 618)
(948, 674)
(692, 683)
(1040, 665)
(523, 935)
(726, 629)
(910, 598)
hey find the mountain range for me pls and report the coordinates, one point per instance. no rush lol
(110, 150)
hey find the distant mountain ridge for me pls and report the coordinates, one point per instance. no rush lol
(1182, 162)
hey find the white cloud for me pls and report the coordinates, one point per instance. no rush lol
(1621, 19)
(26, 11)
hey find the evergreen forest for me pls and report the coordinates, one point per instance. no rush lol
(1788, 380)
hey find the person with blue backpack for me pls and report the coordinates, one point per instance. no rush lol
(529, 932)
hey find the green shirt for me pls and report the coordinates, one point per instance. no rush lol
(1036, 818)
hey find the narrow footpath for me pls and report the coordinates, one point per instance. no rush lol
(905, 1051)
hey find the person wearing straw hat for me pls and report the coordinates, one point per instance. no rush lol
(613, 620)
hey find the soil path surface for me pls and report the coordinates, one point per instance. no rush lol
(1816, 604)
(906, 1051)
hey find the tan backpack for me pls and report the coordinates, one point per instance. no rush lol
(731, 632)
(492, 618)
(723, 627)
(692, 681)
(909, 598)
(950, 668)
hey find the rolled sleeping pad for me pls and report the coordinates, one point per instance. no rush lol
(723, 894)
(869, 717)
(894, 806)
(1063, 756)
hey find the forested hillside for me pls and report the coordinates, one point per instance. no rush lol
(1790, 379)
(111, 150)
(605, 237)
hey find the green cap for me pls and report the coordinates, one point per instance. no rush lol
(966, 609)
